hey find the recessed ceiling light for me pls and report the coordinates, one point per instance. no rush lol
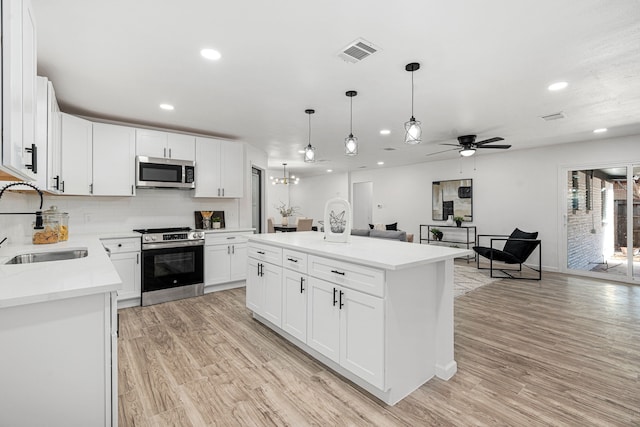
(329, 170)
(558, 86)
(601, 130)
(167, 107)
(385, 132)
(380, 163)
(211, 54)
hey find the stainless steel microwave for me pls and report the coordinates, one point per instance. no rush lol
(156, 172)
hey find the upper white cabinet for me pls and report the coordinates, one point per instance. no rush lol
(153, 143)
(219, 168)
(77, 155)
(18, 89)
(48, 137)
(114, 155)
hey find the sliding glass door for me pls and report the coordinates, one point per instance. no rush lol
(603, 221)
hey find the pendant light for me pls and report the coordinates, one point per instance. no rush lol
(285, 179)
(309, 151)
(413, 132)
(351, 142)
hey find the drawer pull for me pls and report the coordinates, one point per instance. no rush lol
(261, 252)
(230, 238)
(338, 272)
(292, 260)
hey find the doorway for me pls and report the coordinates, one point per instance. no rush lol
(256, 199)
(362, 204)
(603, 222)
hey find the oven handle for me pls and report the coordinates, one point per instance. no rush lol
(167, 245)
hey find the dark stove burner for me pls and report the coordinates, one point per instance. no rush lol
(162, 230)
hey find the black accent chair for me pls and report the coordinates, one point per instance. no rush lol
(517, 248)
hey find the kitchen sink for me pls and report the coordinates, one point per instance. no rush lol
(48, 256)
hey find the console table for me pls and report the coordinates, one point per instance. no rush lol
(454, 236)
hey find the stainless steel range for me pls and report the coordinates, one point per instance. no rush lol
(172, 264)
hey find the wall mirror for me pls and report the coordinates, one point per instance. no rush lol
(452, 197)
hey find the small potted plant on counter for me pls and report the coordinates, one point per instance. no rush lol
(458, 220)
(215, 222)
(437, 234)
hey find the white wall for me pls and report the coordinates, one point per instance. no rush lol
(514, 188)
(312, 193)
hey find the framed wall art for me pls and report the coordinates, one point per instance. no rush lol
(452, 198)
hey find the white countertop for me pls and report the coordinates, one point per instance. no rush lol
(228, 230)
(45, 281)
(381, 253)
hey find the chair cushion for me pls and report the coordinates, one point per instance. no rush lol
(496, 254)
(393, 226)
(519, 249)
(360, 232)
(389, 234)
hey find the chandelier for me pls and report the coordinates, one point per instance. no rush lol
(286, 180)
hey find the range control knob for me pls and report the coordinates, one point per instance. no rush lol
(153, 238)
(146, 238)
(198, 235)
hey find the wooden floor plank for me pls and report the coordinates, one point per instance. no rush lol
(563, 352)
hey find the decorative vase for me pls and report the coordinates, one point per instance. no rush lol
(458, 223)
(285, 220)
(215, 224)
(450, 220)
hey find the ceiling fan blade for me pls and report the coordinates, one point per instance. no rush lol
(452, 145)
(440, 152)
(486, 141)
(504, 147)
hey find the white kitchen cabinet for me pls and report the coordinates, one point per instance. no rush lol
(125, 256)
(47, 137)
(220, 168)
(225, 258)
(58, 362)
(77, 155)
(153, 143)
(347, 326)
(295, 288)
(114, 156)
(18, 90)
(264, 287)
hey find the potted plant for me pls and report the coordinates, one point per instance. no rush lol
(458, 220)
(286, 212)
(215, 222)
(437, 234)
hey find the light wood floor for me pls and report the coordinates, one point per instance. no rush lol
(562, 352)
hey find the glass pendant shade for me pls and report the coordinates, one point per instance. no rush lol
(466, 152)
(351, 145)
(310, 154)
(413, 132)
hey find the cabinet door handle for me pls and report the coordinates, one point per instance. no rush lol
(34, 158)
(169, 152)
(132, 190)
(341, 303)
(334, 297)
(137, 258)
(223, 192)
(292, 260)
(338, 272)
(233, 249)
(57, 182)
(91, 188)
(258, 269)
(301, 284)
(228, 250)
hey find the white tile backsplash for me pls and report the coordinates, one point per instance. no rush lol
(149, 208)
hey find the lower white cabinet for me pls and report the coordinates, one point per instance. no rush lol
(225, 258)
(347, 326)
(295, 288)
(58, 362)
(125, 256)
(264, 290)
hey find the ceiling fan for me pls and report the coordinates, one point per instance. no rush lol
(467, 145)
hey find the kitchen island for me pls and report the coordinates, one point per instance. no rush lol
(379, 312)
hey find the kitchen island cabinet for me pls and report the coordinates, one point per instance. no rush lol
(379, 312)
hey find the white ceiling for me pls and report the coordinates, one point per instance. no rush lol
(485, 67)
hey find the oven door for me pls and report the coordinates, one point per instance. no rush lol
(167, 265)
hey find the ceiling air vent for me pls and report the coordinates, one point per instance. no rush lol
(357, 50)
(555, 116)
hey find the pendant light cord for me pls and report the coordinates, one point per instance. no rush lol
(411, 94)
(351, 117)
